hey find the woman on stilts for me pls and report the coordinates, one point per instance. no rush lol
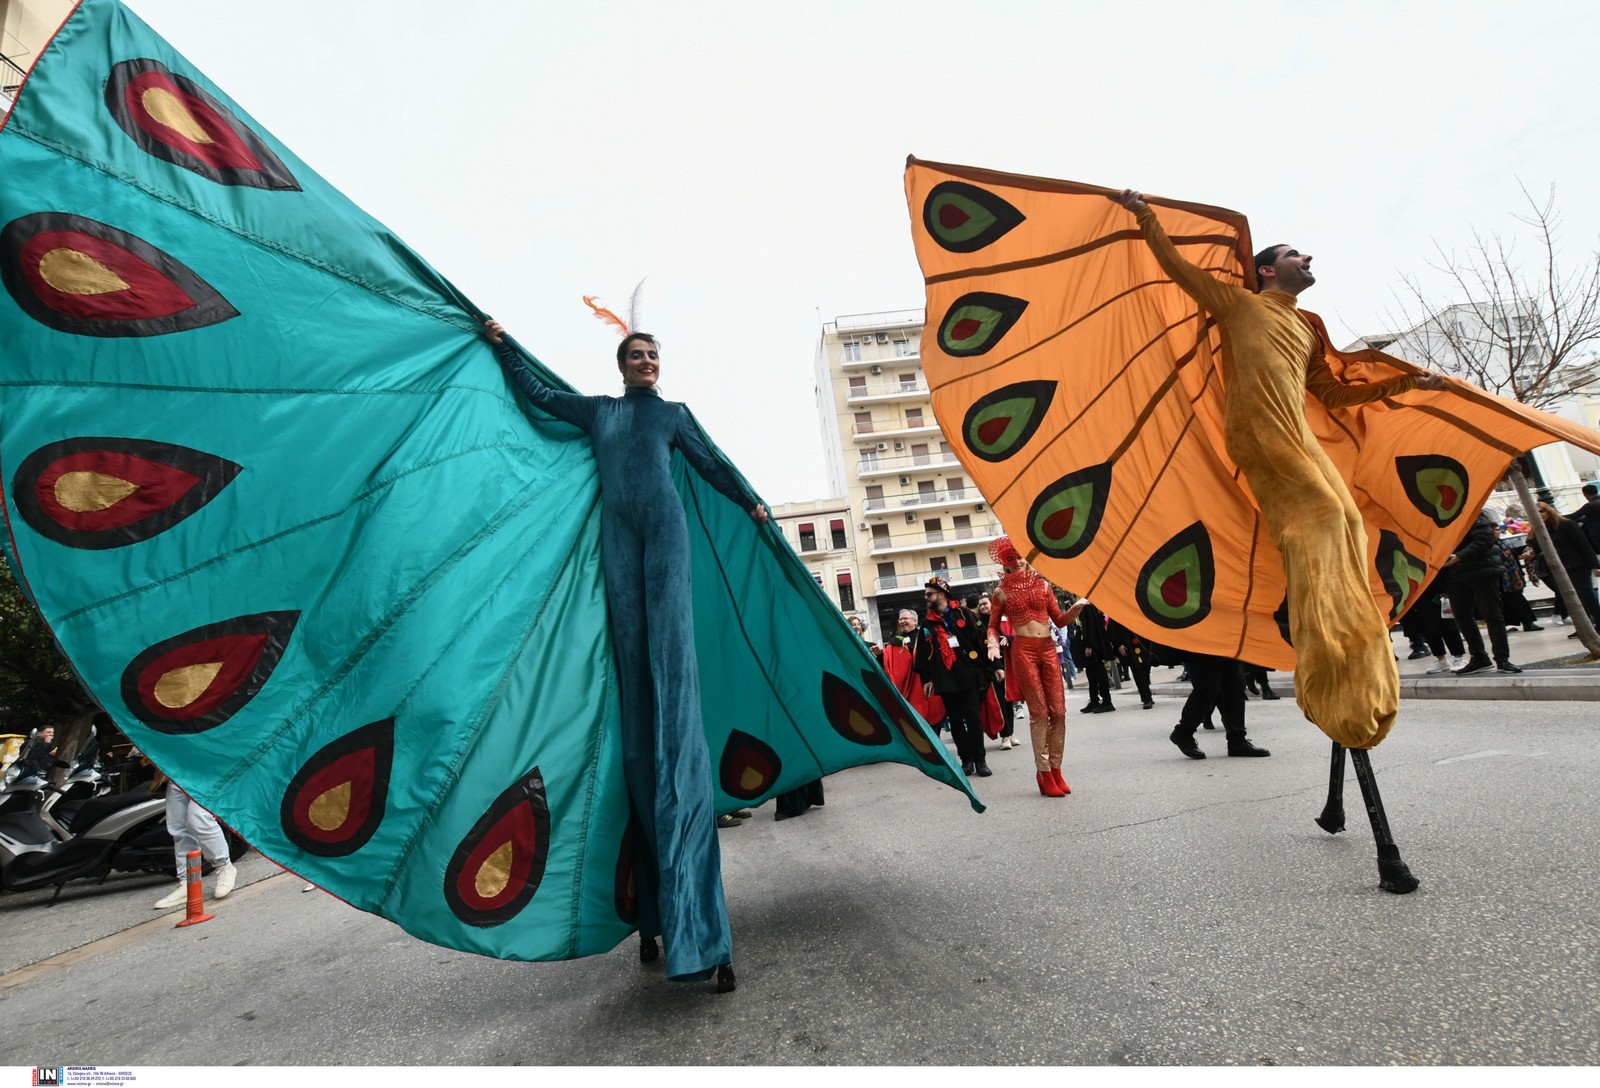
(645, 546)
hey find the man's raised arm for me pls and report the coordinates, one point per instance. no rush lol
(1214, 297)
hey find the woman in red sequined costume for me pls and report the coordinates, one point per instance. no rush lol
(1030, 603)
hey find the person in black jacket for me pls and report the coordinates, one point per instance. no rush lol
(1135, 653)
(1474, 570)
(1577, 555)
(1094, 652)
(954, 661)
(1588, 515)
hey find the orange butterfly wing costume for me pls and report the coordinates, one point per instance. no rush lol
(1083, 389)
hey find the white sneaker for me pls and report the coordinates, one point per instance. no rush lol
(174, 898)
(227, 876)
(1439, 665)
(1006, 744)
(1457, 663)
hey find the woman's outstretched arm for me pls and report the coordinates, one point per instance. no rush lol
(691, 442)
(570, 408)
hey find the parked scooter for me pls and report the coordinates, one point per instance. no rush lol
(124, 832)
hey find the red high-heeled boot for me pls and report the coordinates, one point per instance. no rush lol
(1048, 785)
(1061, 783)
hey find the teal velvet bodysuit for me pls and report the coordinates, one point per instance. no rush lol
(645, 549)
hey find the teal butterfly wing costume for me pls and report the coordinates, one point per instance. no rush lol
(290, 522)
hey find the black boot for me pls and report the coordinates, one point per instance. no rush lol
(1186, 744)
(1243, 747)
(726, 983)
(649, 951)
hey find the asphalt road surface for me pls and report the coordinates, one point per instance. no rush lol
(1168, 912)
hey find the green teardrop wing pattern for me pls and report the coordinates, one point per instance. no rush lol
(964, 218)
(1401, 573)
(1436, 485)
(1064, 519)
(977, 321)
(1175, 584)
(1000, 423)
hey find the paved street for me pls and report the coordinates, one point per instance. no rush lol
(1169, 911)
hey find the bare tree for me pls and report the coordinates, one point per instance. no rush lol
(1525, 328)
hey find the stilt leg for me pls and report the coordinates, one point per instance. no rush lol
(1332, 818)
(1393, 876)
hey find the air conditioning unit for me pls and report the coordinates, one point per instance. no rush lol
(876, 370)
(883, 338)
(883, 446)
(899, 445)
(911, 519)
(863, 526)
(905, 481)
(980, 507)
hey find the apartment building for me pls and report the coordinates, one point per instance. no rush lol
(822, 535)
(914, 512)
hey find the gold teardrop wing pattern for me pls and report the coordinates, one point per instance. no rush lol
(1130, 439)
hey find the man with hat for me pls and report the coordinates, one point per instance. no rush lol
(954, 661)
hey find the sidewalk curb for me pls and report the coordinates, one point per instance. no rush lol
(1540, 686)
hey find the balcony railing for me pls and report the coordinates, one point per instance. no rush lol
(873, 428)
(913, 500)
(11, 76)
(886, 319)
(928, 539)
(917, 462)
(954, 575)
(867, 390)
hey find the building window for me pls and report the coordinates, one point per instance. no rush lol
(969, 565)
(874, 497)
(808, 537)
(908, 383)
(962, 524)
(941, 565)
(863, 423)
(869, 459)
(903, 348)
(836, 530)
(880, 536)
(852, 352)
(847, 594)
(925, 490)
(858, 387)
(886, 578)
(914, 417)
(919, 453)
(818, 579)
(956, 486)
(934, 528)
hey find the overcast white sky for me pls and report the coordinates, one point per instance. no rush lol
(747, 157)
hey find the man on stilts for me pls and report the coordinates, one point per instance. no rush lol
(1346, 680)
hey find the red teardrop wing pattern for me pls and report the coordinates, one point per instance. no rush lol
(198, 133)
(520, 819)
(749, 767)
(81, 276)
(851, 716)
(167, 484)
(245, 651)
(913, 733)
(361, 761)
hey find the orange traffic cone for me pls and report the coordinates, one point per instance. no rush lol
(196, 912)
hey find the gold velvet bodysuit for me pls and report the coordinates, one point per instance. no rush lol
(1345, 680)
